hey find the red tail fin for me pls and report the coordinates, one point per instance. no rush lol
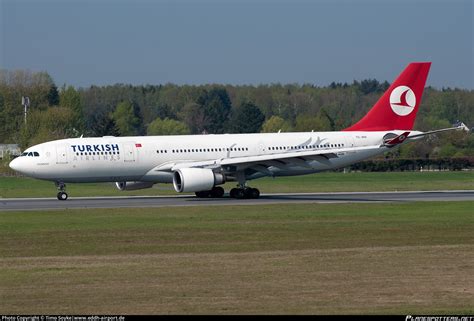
(398, 106)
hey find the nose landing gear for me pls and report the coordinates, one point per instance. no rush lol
(62, 195)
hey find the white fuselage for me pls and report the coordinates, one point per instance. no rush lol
(146, 158)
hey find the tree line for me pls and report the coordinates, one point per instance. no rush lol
(126, 110)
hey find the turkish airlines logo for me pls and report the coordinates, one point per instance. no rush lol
(402, 100)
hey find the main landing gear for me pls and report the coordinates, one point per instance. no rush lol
(215, 192)
(244, 192)
(62, 195)
(239, 193)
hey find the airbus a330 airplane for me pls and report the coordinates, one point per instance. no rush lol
(199, 163)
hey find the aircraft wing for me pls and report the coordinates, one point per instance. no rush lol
(282, 159)
(290, 158)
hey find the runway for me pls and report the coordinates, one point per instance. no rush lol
(36, 204)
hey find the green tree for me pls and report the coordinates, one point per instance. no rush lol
(275, 124)
(408, 151)
(126, 121)
(3, 120)
(447, 150)
(70, 98)
(216, 106)
(193, 116)
(14, 85)
(306, 123)
(247, 118)
(167, 127)
(102, 124)
(53, 95)
(45, 125)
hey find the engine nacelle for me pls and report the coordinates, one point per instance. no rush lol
(131, 186)
(196, 179)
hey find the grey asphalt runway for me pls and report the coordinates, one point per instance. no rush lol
(166, 201)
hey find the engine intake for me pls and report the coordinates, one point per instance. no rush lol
(196, 179)
(132, 186)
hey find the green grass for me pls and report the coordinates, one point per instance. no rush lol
(322, 182)
(404, 258)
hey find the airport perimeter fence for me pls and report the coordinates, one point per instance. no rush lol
(414, 164)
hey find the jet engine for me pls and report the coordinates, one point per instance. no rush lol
(131, 186)
(196, 179)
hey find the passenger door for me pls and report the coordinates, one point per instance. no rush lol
(129, 152)
(61, 154)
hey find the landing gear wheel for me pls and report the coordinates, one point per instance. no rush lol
(217, 192)
(241, 193)
(253, 193)
(233, 192)
(203, 194)
(62, 196)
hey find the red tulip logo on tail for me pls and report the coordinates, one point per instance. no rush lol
(402, 100)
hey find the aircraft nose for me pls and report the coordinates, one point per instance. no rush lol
(15, 165)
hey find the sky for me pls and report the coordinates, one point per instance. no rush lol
(100, 42)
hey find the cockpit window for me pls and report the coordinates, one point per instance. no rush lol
(30, 154)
